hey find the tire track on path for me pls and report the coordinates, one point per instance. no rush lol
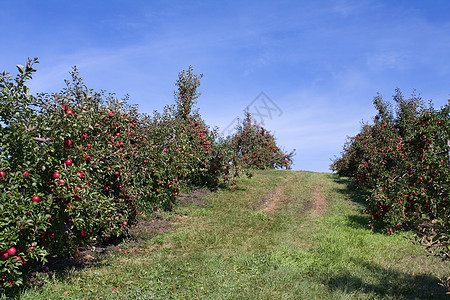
(314, 198)
(274, 199)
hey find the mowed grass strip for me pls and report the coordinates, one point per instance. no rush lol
(312, 243)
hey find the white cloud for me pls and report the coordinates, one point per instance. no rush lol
(389, 60)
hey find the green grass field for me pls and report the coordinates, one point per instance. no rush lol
(279, 235)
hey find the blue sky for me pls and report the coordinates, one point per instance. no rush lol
(320, 63)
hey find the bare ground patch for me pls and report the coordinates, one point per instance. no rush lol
(86, 257)
(319, 204)
(273, 200)
(194, 197)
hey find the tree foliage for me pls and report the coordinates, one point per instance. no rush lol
(256, 147)
(403, 158)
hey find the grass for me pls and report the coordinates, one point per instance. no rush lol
(313, 244)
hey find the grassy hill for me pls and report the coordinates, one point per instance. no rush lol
(278, 235)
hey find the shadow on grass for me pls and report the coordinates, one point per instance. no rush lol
(359, 221)
(59, 268)
(358, 195)
(354, 192)
(380, 284)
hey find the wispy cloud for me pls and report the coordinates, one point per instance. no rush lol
(389, 60)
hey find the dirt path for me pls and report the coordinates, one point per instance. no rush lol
(273, 200)
(317, 201)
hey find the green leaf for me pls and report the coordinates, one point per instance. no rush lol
(21, 69)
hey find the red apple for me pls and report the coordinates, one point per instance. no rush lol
(12, 251)
(69, 112)
(56, 175)
(36, 198)
(2, 173)
(25, 174)
(3, 255)
(68, 162)
(67, 143)
(110, 114)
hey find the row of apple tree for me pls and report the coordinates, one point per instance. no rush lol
(403, 159)
(78, 167)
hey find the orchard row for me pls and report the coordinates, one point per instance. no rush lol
(404, 161)
(78, 167)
